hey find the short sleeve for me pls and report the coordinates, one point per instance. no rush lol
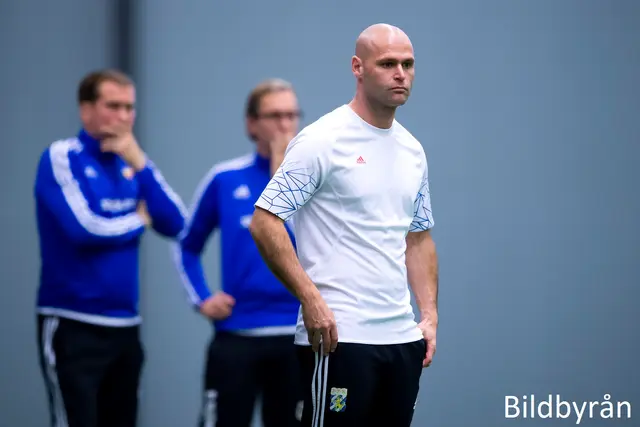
(298, 178)
(422, 215)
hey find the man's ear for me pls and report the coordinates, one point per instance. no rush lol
(251, 123)
(84, 111)
(356, 66)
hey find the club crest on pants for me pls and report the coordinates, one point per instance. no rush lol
(338, 399)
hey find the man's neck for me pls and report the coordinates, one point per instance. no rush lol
(262, 151)
(378, 116)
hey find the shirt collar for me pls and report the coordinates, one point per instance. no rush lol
(90, 143)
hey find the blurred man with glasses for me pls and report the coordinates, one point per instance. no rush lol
(254, 316)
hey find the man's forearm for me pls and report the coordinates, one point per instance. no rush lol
(275, 246)
(422, 272)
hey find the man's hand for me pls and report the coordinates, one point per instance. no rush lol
(429, 333)
(142, 211)
(320, 324)
(218, 306)
(280, 141)
(278, 145)
(123, 143)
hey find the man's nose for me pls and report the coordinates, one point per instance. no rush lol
(124, 114)
(285, 124)
(401, 73)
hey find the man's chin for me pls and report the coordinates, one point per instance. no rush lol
(395, 103)
(102, 135)
(397, 100)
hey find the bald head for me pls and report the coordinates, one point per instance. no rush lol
(377, 38)
(383, 66)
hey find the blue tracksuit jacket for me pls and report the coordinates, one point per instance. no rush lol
(224, 200)
(90, 232)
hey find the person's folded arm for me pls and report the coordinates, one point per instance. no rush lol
(164, 206)
(61, 193)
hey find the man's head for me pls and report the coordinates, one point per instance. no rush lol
(107, 102)
(383, 65)
(271, 109)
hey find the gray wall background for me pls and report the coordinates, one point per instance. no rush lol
(528, 112)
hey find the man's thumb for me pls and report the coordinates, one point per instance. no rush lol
(228, 299)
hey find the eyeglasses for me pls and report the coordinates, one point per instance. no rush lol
(279, 115)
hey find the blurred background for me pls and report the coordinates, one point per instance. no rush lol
(529, 112)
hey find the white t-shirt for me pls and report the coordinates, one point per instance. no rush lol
(356, 191)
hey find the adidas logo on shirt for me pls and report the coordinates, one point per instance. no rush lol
(241, 192)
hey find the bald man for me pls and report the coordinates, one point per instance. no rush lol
(357, 182)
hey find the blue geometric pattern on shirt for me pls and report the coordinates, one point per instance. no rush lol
(289, 190)
(422, 217)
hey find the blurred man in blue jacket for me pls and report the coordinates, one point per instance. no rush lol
(254, 315)
(96, 193)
